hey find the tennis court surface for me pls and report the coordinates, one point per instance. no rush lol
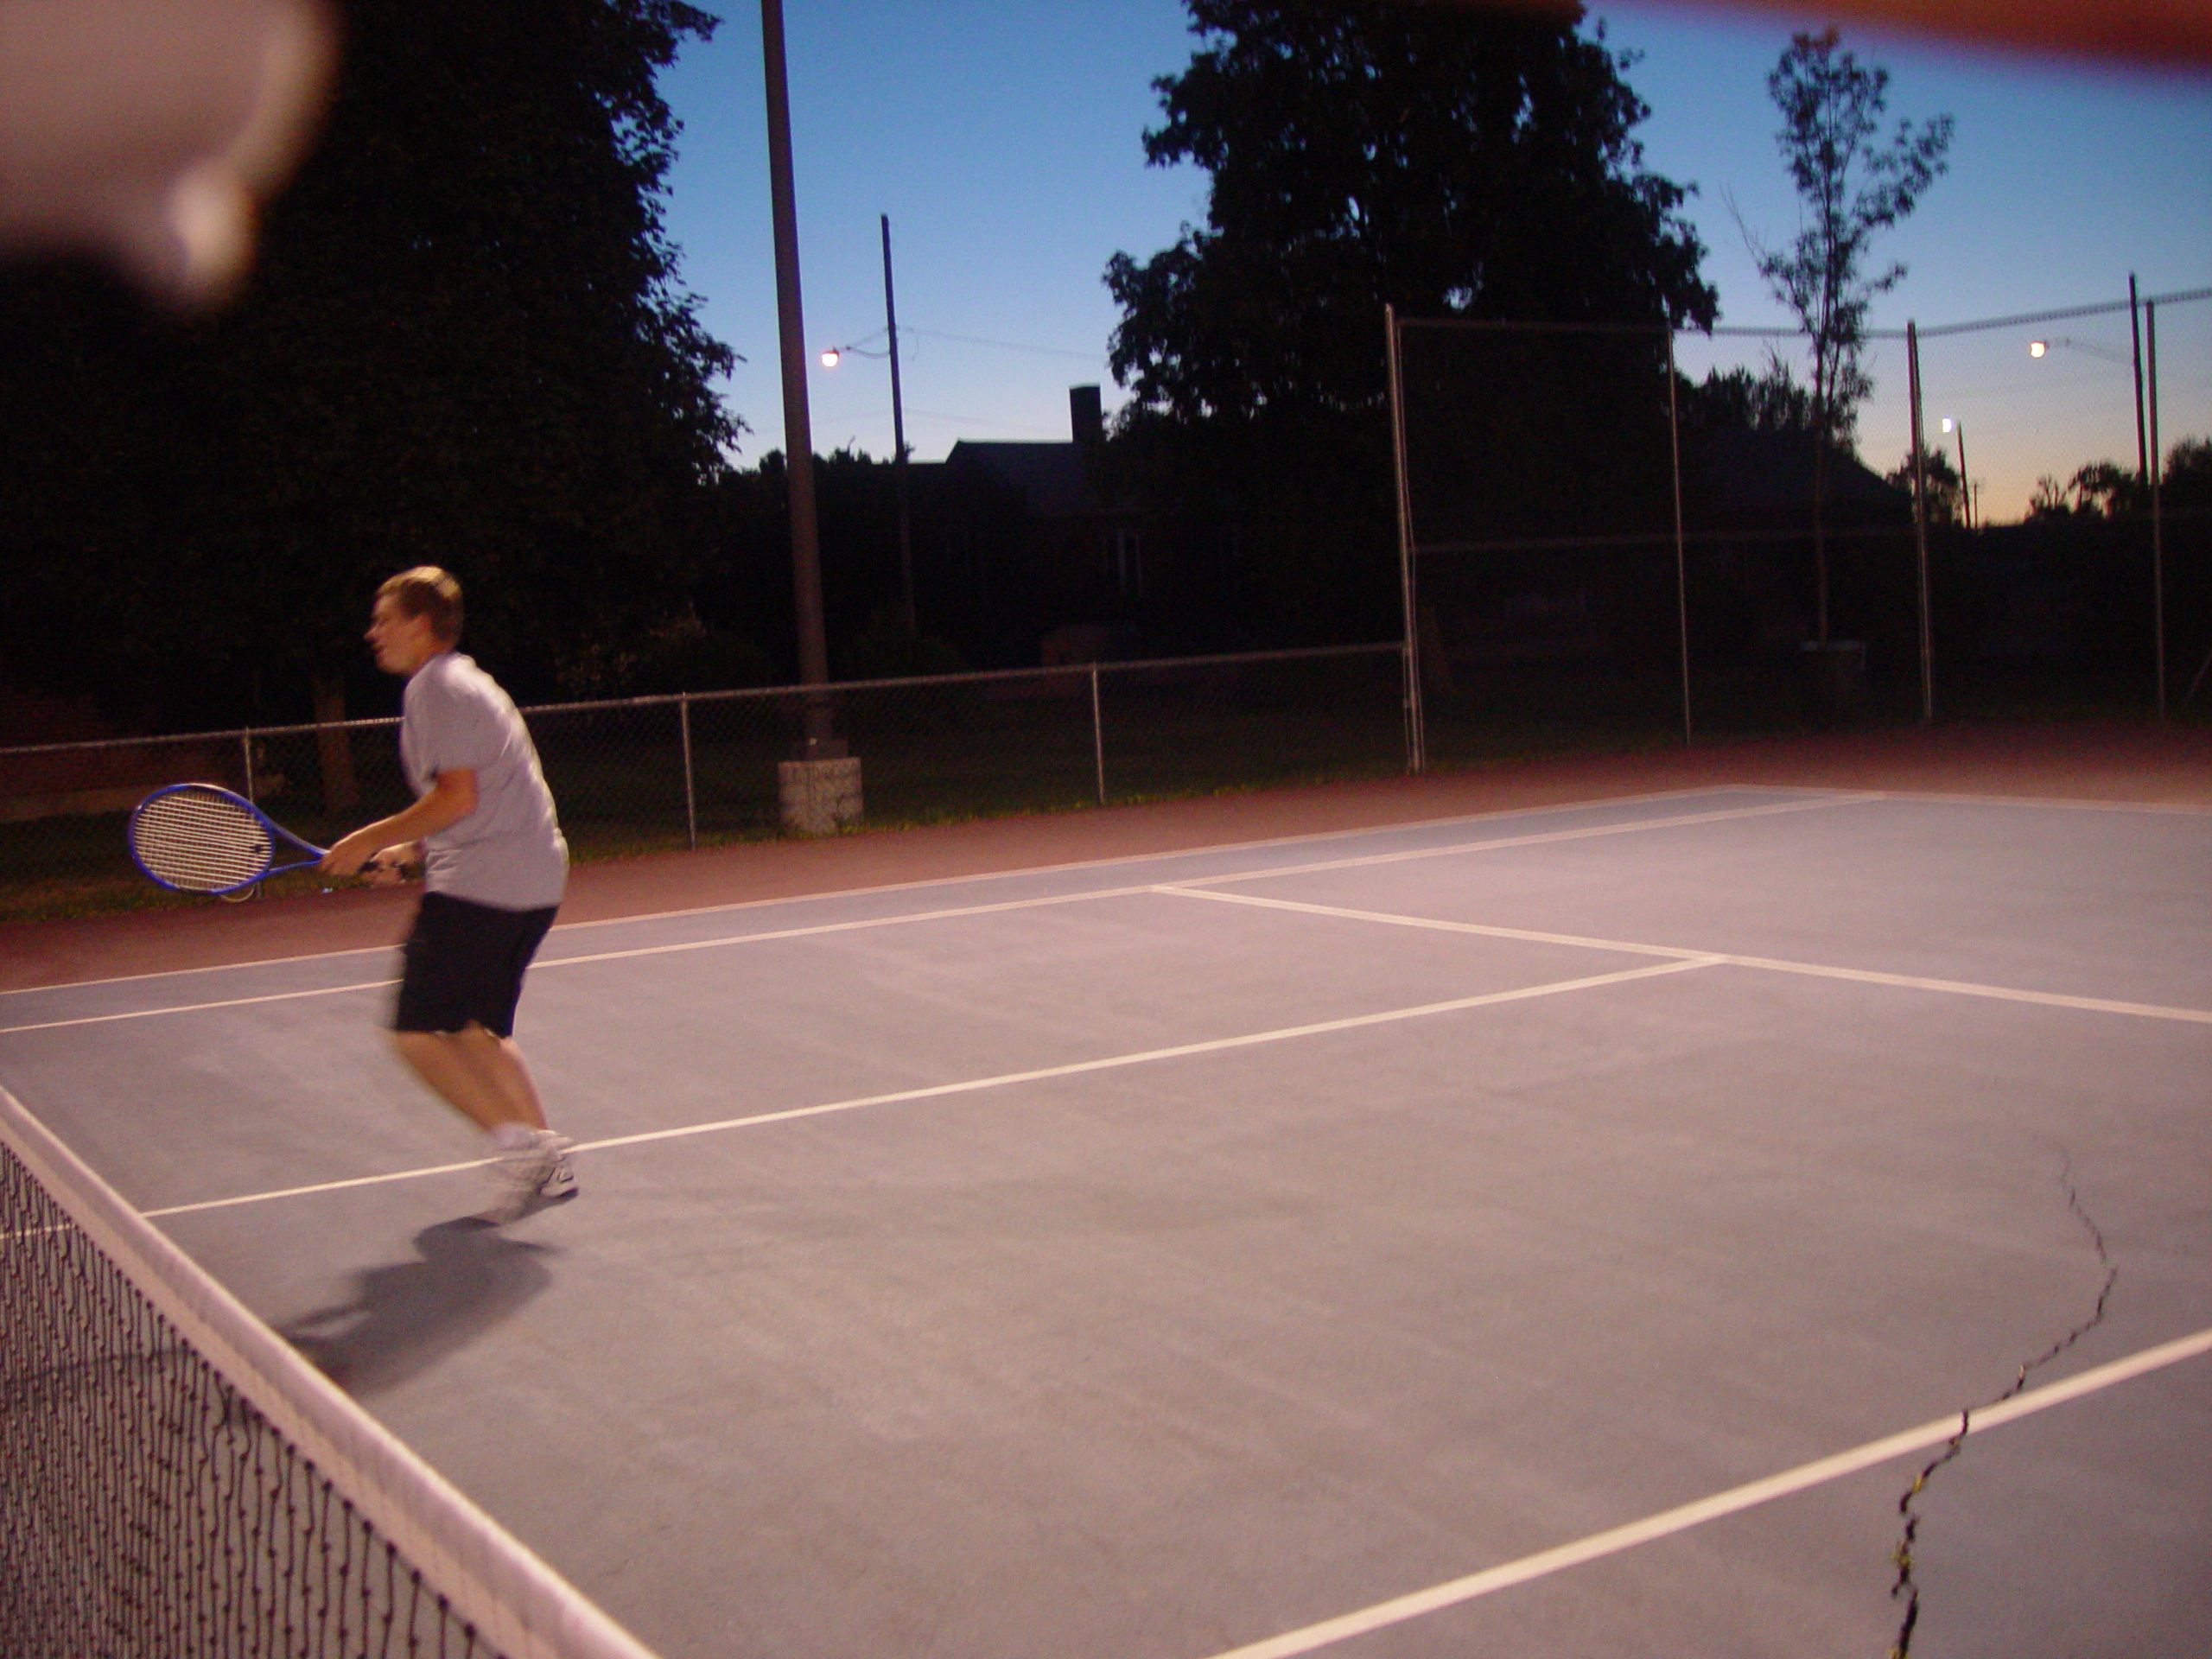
(1559, 1231)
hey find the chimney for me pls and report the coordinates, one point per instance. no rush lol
(1086, 417)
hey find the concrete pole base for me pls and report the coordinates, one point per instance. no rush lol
(820, 796)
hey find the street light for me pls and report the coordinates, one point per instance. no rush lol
(829, 360)
(2040, 349)
(1966, 486)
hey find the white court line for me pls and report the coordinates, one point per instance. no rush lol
(2060, 803)
(546, 963)
(1589, 832)
(972, 1085)
(1040, 902)
(1768, 964)
(1591, 805)
(197, 1007)
(1836, 793)
(1400, 1609)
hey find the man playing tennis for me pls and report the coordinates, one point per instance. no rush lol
(495, 870)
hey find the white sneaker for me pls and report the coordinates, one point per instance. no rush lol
(560, 1181)
(531, 1176)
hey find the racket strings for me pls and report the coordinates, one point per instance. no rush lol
(200, 840)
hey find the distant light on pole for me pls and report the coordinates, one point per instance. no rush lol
(1952, 427)
(2041, 348)
(2087, 347)
(830, 357)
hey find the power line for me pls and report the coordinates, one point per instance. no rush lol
(1010, 346)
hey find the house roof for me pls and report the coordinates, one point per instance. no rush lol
(1772, 473)
(1052, 477)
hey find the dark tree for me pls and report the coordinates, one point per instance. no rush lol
(465, 342)
(1446, 159)
(1946, 493)
(1739, 400)
(1852, 183)
(2187, 481)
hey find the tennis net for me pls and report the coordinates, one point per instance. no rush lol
(176, 1480)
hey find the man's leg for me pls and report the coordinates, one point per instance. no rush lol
(481, 1076)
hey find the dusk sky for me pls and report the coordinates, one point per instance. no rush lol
(1004, 138)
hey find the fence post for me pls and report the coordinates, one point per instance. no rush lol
(1416, 732)
(1920, 523)
(2157, 517)
(690, 795)
(1097, 735)
(1681, 556)
(245, 747)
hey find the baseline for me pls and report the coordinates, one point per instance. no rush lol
(1832, 794)
(1401, 1609)
(729, 906)
(547, 964)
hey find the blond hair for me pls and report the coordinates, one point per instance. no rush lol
(428, 591)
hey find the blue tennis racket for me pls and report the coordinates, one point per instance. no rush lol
(197, 838)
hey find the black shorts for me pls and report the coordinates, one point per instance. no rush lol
(464, 962)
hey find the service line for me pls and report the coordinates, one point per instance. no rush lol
(1005, 1079)
(1766, 964)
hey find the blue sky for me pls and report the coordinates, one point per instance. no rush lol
(1004, 138)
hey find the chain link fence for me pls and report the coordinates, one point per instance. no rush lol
(1608, 532)
(699, 768)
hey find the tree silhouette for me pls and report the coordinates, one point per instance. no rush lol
(1444, 159)
(1853, 183)
(465, 342)
(1769, 402)
(1946, 495)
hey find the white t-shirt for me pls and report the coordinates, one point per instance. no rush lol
(509, 852)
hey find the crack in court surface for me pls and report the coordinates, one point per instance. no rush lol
(1399, 1610)
(1906, 1588)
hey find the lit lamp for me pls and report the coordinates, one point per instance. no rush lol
(829, 360)
(2039, 349)
(1965, 489)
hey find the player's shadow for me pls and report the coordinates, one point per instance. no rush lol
(405, 1318)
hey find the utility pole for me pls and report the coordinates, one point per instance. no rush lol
(799, 434)
(2135, 331)
(899, 438)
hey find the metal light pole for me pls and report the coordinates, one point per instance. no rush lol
(2041, 348)
(799, 434)
(1958, 430)
(2157, 517)
(899, 438)
(2135, 330)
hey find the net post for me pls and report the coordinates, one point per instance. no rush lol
(1416, 738)
(2158, 513)
(1920, 524)
(690, 793)
(246, 749)
(1097, 735)
(1681, 559)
